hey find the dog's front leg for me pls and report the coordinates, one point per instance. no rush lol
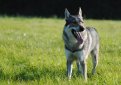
(84, 69)
(78, 66)
(69, 69)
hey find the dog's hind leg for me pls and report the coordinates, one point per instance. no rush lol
(69, 68)
(95, 53)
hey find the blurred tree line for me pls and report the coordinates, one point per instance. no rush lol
(98, 9)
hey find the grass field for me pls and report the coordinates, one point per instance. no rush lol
(32, 53)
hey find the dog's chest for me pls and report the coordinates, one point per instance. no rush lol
(79, 55)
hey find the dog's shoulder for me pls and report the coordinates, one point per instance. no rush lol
(92, 31)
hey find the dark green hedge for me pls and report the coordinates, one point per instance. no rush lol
(98, 9)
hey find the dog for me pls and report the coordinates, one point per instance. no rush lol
(79, 42)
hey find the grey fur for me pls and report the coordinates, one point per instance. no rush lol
(79, 42)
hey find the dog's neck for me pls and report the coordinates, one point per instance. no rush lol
(74, 50)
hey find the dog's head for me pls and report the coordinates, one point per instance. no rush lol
(75, 26)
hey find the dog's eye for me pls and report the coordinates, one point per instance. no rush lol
(71, 21)
(68, 21)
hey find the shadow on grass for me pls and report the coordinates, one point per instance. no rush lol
(2, 75)
(53, 73)
(44, 73)
(34, 73)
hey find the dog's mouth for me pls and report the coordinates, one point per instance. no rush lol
(77, 35)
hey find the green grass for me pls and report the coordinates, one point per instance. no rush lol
(32, 52)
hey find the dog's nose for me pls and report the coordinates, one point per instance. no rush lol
(81, 28)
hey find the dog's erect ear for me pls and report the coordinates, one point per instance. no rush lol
(80, 12)
(67, 14)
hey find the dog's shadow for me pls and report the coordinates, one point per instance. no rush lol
(61, 74)
(53, 73)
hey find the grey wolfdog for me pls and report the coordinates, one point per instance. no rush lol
(79, 42)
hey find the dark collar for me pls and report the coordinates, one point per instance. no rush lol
(74, 50)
